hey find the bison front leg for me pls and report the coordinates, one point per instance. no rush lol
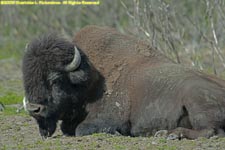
(90, 128)
(68, 128)
(69, 125)
(87, 128)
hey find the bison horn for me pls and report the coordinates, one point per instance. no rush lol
(75, 62)
(25, 103)
(26, 47)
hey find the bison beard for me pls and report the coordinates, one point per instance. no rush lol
(47, 126)
(104, 81)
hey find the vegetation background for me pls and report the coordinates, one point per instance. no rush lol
(189, 32)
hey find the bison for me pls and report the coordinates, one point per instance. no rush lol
(104, 81)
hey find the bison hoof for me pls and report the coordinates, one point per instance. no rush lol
(44, 134)
(117, 133)
(165, 134)
(172, 136)
(161, 133)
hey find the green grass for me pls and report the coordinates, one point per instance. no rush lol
(10, 50)
(8, 100)
(166, 147)
(119, 147)
(11, 98)
(9, 110)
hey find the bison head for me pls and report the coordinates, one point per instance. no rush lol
(54, 70)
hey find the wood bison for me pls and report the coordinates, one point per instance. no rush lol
(104, 81)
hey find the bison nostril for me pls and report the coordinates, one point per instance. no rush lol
(36, 111)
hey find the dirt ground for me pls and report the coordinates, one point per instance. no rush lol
(20, 131)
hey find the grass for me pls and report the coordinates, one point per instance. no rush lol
(11, 50)
(9, 110)
(11, 98)
(12, 101)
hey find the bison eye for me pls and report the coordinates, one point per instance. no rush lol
(44, 102)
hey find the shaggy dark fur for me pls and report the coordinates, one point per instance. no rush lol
(130, 88)
(61, 92)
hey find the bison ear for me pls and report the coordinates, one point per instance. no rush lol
(75, 62)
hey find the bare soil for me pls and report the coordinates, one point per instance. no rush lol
(21, 132)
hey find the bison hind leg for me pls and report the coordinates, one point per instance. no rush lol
(181, 133)
(185, 128)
